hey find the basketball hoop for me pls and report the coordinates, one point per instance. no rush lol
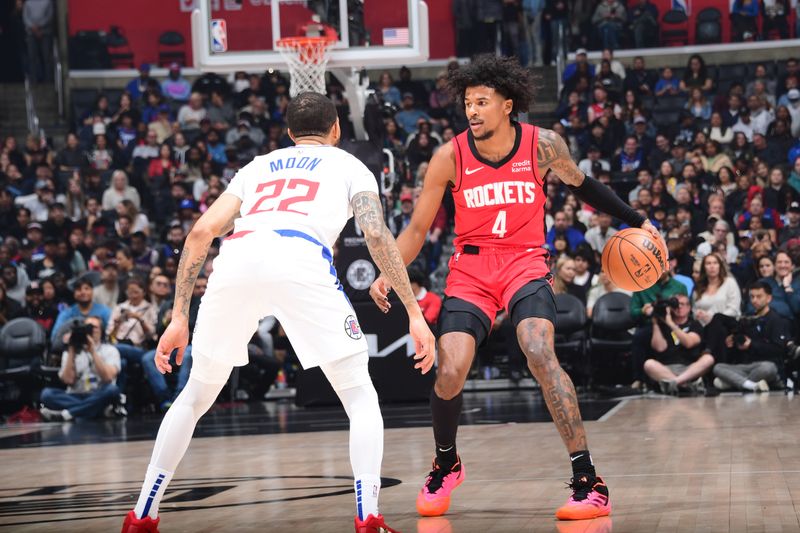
(307, 58)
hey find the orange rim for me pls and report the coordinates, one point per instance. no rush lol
(293, 42)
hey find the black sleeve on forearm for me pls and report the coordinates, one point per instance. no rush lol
(603, 198)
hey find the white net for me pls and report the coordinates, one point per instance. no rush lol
(307, 58)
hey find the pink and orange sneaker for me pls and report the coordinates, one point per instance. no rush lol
(589, 500)
(373, 524)
(139, 525)
(434, 498)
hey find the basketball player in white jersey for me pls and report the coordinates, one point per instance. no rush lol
(287, 209)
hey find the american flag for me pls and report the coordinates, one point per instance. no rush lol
(395, 36)
(682, 5)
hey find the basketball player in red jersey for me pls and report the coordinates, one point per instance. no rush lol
(496, 171)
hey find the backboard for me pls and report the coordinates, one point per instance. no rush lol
(232, 35)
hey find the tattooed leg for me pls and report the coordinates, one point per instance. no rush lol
(535, 337)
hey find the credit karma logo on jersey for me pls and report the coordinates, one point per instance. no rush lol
(500, 193)
(522, 166)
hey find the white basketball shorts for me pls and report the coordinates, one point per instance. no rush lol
(289, 275)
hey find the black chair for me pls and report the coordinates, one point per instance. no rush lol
(666, 118)
(611, 320)
(171, 49)
(730, 73)
(707, 26)
(670, 103)
(22, 348)
(570, 334)
(82, 101)
(674, 28)
(88, 50)
(119, 49)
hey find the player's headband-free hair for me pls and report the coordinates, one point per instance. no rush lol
(310, 114)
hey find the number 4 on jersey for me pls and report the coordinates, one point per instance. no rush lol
(499, 227)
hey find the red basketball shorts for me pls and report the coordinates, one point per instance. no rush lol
(490, 278)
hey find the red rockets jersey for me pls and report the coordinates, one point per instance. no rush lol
(499, 204)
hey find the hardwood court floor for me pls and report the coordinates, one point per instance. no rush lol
(730, 463)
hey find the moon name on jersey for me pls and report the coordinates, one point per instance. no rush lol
(500, 193)
(307, 163)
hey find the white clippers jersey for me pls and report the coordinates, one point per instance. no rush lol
(306, 188)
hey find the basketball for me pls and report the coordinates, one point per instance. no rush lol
(632, 261)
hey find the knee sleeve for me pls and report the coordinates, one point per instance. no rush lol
(209, 371)
(349, 372)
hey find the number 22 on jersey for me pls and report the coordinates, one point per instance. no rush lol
(298, 190)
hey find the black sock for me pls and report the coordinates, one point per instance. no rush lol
(446, 415)
(582, 463)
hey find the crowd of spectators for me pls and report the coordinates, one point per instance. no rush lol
(533, 29)
(95, 229)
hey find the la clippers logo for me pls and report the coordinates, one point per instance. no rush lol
(352, 328)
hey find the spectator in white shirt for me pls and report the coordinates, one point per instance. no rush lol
(716, 291)
(598, 236)
(592, 158)
(190, 115)
(760, 115)
(719, 244)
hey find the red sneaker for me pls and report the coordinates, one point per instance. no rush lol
(373, 524)
(139, 525)
(434, 497)
(589, 500)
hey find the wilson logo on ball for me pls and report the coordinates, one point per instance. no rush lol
(656, 251)
(633, 260)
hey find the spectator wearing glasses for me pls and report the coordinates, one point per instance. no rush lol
(676, 344)
(720, 244)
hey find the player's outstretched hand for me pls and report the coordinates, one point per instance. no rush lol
(176, 336)
(424, 343)
(379, 290)
(650, 228)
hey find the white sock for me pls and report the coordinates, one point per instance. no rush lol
(349, 377)
(749, 385)
(155, 483)
(173, 438)
(367, 489)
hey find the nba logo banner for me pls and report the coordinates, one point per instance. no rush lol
(219, 35)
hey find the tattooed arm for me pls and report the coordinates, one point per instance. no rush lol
(383, 249)
(553, 155)
(215, 222)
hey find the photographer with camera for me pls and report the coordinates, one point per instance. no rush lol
(642, 311)
(676, 342)
(752, 348)
(82, 292)
(89, 368)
